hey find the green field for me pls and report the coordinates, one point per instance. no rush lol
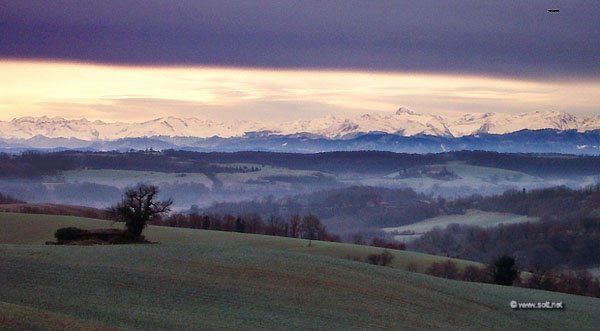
(125, 178)
(37, 229)
(471, 217)
(485, 179)
(196, 279)
(230, 180)
(235, 179)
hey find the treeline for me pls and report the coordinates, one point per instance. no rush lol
(356, 208)
(538, 246)
(37, 164)
(553, 203)
(543, 165)
(566, 235)
(296, 226)
(579, 282)
(6, 199)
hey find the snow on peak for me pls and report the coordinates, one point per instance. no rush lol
(404, 110)
(403, 122)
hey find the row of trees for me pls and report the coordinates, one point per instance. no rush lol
(6, 199)
(34, 164)
(503, 271)
(295, 226)
(363, 207)
(539, 246)
(566, 235)
(554, 203)
(139, 207)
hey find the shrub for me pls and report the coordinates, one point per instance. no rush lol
(504, 270)
(474, 274)
(70, 233)
(541, 280)
(447, 269)
(358, 239)
(383, 259)
(412, 267)
(389, 244)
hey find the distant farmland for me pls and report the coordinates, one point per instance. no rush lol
(471, 217)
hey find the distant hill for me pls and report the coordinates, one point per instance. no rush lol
(32, 165)
(524, 141)
(54, 209)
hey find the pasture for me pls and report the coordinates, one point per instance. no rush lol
(196, 279)
(126, 178)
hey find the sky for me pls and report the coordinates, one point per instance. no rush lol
(281, 60)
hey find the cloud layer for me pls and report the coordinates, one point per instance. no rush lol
(116, 93)
(491, 38)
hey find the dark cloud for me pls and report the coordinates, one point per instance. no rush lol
(505, 38)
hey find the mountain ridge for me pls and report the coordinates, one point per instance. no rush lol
(523, 141)
(404, 122)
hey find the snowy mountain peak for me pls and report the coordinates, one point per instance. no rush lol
(403, 110)
(403, 122)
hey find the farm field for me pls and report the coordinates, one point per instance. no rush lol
(487, 178)
(241, 178)
(196, 279)
(466, 170)
(125, 178)
(472, 179)
(471, 217)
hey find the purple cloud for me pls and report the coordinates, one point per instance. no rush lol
(500, 38)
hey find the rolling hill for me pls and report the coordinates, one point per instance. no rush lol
(194, 279)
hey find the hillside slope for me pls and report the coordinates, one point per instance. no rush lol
(199, 279)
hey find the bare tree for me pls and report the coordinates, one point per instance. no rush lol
(295, 222)
(138, 207)
(276, 226)
(311, 225)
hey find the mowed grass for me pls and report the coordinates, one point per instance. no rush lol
(471, 217)
(197, 279)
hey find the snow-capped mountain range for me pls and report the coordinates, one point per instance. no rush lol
(403, 122)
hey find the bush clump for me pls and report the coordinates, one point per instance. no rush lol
(70, 233)
(383, 259)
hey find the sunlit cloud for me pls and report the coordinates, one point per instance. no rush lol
(120, 93)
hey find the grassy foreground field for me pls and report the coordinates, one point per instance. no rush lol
(199, 279)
